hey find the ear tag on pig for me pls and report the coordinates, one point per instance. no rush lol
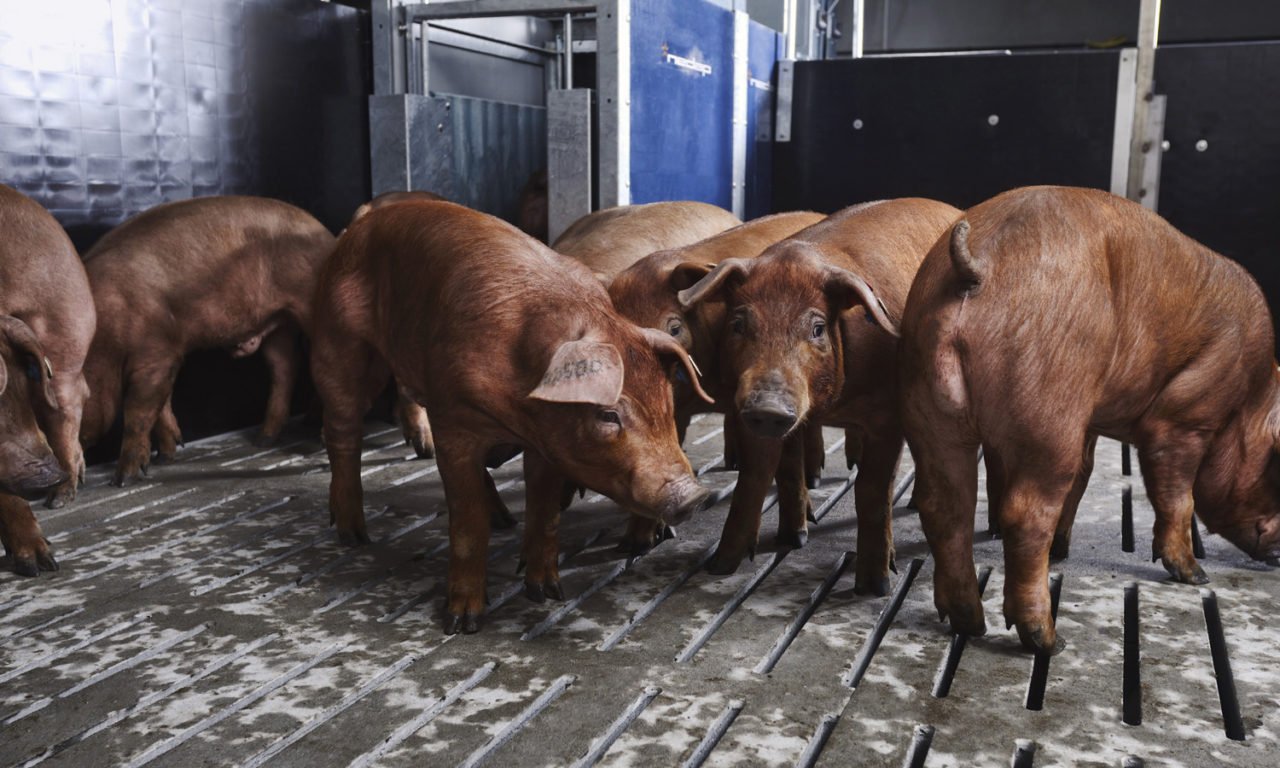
(582, 372)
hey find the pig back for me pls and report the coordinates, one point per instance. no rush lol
(208, 269)
(440, 285)
(884, 242)
(610, 240)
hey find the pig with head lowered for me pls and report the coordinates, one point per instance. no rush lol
(612, 239)
(28, 468)
(812, 340)
(646, 294)
(1051, 315)
(509, 345)
(231, 272)
(43, 285)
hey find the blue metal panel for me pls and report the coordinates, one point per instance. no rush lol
(764, 48)
(681, 129)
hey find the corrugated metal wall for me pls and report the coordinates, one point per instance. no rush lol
(108, 107)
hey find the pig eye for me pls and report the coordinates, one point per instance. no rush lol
(819, 329)
(738, 324)
(609, 417)
(674, 327)
(33, 369)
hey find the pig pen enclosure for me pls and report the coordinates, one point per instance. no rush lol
(208, 615)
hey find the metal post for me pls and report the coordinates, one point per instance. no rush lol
(568, 50)
(856, 36)
(613, 73)
(789, 11)
(1139, 145)
(741, 74)
(388, 48)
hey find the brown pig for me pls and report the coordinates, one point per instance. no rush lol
(389, 198)
(645, 293)
(610, 240)
(43, 283)
(1048, 316)
(28, 467)
(508, 344)
(231, 272)
(812, 340)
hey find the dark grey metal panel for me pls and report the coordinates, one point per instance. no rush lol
(569, 142)
(496, 148)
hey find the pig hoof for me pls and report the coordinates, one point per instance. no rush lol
(1040, 639)
(965, 619)
(539, 593)
(500, 518)
(25, 566)
(792, 539)
(61, 496)
(808, 515)
(1186, 575)
(352, 538)
(263, 440)
(723, 563)
(1060, 549)
(467, 624)
(45, 561)
(666, 532)
(875, 585)
(534, 592)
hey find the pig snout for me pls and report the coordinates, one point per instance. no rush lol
(34, 479)
(687, 497)
(769, 409)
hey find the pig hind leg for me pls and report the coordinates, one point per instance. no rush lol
(25, 544)
(1169, 464)
(348, 373)
(873, 500)
(63, 430)
(541, 529)
(414, 424)
(280, 351)
(148, 386)
(166, 434)
(815, 456)
(794, 505)
(1061, 547)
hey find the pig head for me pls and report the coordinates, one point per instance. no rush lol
(784, 341)
(27, 465)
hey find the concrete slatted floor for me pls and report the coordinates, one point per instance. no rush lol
(208, 616)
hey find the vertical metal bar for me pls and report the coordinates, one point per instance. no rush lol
(741, 74)
(1154, 138)
(1126, 518)
(918, 752)
(1123, 131)
(1231, 721)
(388, 48)
(789, 10)
(1126, 460)
(1040, 666)
(1132, 664)
(1148, 34)
(782, 106)
(856, 34)
(1024, 753)
(1197, 545)
(613, 67)
(568, 51)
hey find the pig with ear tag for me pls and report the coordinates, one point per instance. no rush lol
(28, 467)
(509, 345)
(811, 339)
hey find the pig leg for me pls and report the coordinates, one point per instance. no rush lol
(1061, 547)
(995, 490)
(793, 491)
(815, 455)
(63, 430)
(946, 516)
(873, 500)
(28, 549)
(757, 465)
(1168, 472)
(347, 374)
(166, 434)
(541, 529)
(463, 474)
(642, 535)
(280, 351)
(852, 447)
(731, 441)
(414, 425)
(147, 388)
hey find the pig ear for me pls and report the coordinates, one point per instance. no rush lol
(666, 346)
(688, 274)
(23, 341)
(582, 371)
(846, 289)
(711, 287)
